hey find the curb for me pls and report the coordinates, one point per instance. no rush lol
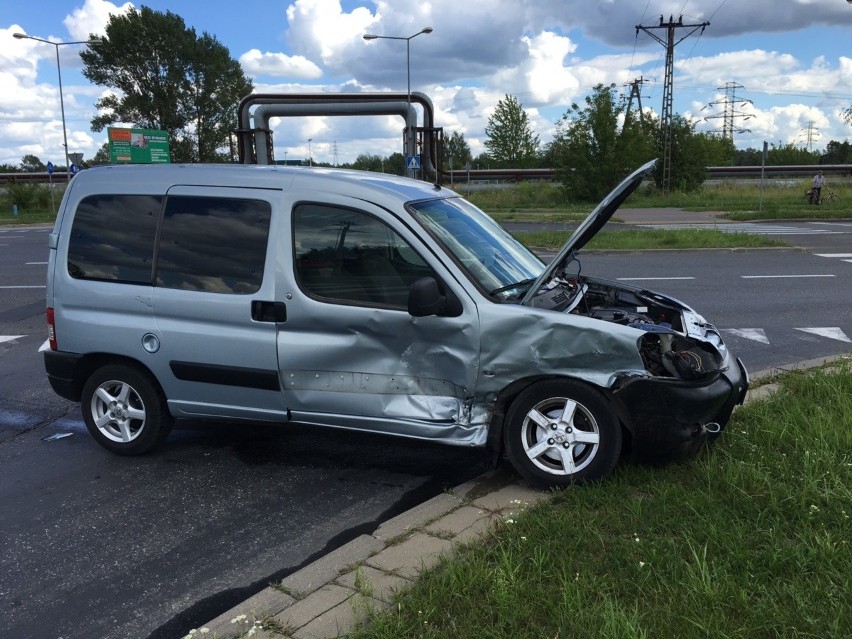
(340, 591)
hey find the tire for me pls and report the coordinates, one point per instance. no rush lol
(125, 410)
(551, 447)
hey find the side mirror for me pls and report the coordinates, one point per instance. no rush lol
(424, 298)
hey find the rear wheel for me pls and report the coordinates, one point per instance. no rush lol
(125, 410)
(560, 432)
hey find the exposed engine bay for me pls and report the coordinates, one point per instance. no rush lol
(677, 343)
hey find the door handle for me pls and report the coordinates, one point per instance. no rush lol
(268, 311)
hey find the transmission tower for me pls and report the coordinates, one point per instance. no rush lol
(730, 112)
(334, 152)
(811, 132)
(666, 121)
(635, 90)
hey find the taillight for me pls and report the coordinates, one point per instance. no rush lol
(51, 330)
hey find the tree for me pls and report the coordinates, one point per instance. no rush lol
(510, 140)
(169, 79)
(457, 148)
(32, 164)
(590, 152)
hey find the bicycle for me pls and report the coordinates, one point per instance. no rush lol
(827, 196)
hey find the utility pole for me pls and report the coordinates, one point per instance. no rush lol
(666, 123)
(729, 113)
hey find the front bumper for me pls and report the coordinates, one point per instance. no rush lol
(668, 419)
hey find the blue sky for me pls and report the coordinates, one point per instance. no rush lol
(792, 58)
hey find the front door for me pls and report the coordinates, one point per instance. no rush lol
(350, 353)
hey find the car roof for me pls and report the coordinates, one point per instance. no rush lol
(331, 180)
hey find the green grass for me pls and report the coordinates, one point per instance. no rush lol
(751, 539)
(652, 239)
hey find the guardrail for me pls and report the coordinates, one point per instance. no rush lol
(522, 175)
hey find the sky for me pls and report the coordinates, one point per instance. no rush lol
(791, 62)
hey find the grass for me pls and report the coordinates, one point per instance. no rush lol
(652, 239)
(749, 539)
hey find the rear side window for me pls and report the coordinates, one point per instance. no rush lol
(213, 244)
(112, 238)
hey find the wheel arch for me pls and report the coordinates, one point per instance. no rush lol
(91, 362)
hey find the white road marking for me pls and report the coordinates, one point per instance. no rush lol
(839, 255)
(747, 227)
(4, 287)
(762, 277)
(756, 334)
(40, 263)
(9, 338)
(831, 332)
(638, 279)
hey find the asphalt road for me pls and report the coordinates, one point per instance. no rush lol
(95, 545)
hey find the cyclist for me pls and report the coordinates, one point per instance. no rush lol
(816, 187)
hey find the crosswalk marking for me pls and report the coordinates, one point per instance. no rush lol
(9, 338)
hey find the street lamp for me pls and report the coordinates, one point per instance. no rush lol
(23, 36)
(371, 36)
(310, 155)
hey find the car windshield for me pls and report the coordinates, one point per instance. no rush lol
(495, 261)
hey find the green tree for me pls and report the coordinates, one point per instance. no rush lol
(457, 148)
(32, 164)
(167, 78)
(590, 152)
(789, 154)
(510, 140)
(837, 153)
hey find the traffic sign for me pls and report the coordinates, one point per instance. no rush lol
(74, 169)
(412, 162)
(50, 168)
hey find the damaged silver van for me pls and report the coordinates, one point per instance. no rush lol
(363, 301)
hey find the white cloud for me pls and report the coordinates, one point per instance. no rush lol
(92, 18)
(279, 65)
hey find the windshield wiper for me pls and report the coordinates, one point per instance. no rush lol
(509, 287)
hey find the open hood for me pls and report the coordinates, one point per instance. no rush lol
(591, 225)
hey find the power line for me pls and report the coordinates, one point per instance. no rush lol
(729, 112)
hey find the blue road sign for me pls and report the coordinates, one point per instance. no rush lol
(412, 162)
(74, 169)
(50, 168)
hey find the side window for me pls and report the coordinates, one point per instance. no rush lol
(112, 238)
(213, 244)
(348, 256)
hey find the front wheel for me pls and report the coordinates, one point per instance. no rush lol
(560, 432)
(125, 410)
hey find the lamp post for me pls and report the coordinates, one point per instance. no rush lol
(370, 36)
(310, 155)
(56, 45)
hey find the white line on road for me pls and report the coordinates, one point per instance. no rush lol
(40, 263)
(764, 277)
(637, 279)
(831, 332)
(9, 338)
(756, 334)
(23, 286)
(840, 255)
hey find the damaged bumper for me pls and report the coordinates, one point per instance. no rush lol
(670, 419)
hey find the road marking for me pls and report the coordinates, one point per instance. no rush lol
(840, 255)
(831, 332)
(747, 227)
(9, 338)
(40, 263)
(43, 286)
(764, 277)
(639, 279)
(756, 334)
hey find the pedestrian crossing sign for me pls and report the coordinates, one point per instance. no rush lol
(413, 162)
